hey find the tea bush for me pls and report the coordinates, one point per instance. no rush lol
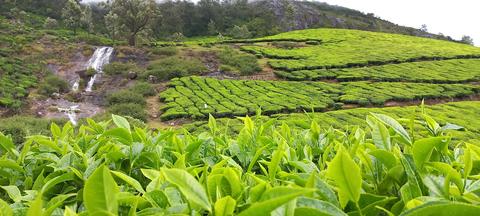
(348, 48)
(105, 169)
(446, 71)
(198, 97)
(53, 84)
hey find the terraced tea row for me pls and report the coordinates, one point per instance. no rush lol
(15, 79)
(197, 97)
(348, 48)
(459, 113)
(447, 71)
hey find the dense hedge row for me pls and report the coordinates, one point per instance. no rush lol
(349, 48)
(15, 79)
(446, 71)
(197, 97)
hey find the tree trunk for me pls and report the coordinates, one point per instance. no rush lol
(132, 39)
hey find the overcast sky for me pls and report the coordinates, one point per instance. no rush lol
(453, 18)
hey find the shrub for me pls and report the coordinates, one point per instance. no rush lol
(129, 109)
(285, 44)
(144, 89)
(171, 67)
(238, 62)
(240, 32)
(50, 23)
(165, 51)
(53, 84)
(119, 68)
(125, 96)
(21, 126)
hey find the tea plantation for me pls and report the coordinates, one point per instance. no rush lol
(198, 97)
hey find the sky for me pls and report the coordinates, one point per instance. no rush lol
(452, 18)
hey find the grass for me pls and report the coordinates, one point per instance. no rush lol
(197, 97)
(446, 71)
(347, 48)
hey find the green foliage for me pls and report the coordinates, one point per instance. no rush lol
(197, 97)
(119, 68)
(143, 88)
(16, 77)
(237, 62)
(445, 71)
(165, 51)
(240, 32)
(53, 84)
(349, 48)
(171, 67)
(125, 96)
(113, 168)
(449, 115)
(20, 127)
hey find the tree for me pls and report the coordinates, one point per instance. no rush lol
(135, 15)
(467, 40)
(87, 19)
(112, 25)
(72, 15)
(240, 32)
(424, 28)
(212, 29)
(50, 23)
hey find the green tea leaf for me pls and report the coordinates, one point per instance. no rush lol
(13, 192)
(131, 181)
(36, 206)
(272, 199)
(397, 127)
(5, 209)
(314, 207)
(347, 176)
(423, 148)
(189, 186)
(100, 192)
(121, 122)
(225, 206)
(443, 209)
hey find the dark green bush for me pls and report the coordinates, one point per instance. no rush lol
(144, 89)
(21, 126)
(238, 62)
(125, 96)
(119, 68)
(166, 51)
(171, 67)
(53, 84)
(129, 109)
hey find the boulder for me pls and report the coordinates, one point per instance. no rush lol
(132, 75)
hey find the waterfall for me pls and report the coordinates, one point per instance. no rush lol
(100, 58)
(71, 113)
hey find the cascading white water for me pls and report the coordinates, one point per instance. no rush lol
(100, 58)
(71, 113)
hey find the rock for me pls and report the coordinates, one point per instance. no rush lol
(132, 75)
(56, 95)
(152, 79)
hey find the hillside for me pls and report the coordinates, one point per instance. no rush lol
(358, 117)
(313, 14)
